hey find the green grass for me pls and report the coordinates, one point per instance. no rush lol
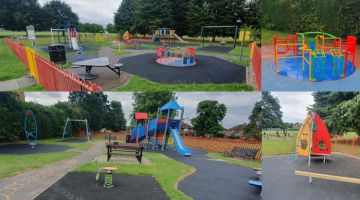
(10, 65)
(122, 52)
(11, 165)
(228, 159)
(33, 88)
(140, 84)
(167, 172)
(52, 141)
(242, 63)
(277, 146)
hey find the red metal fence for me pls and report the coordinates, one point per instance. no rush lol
(51, 76)
(256, 63)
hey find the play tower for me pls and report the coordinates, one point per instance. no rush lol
(149, 131)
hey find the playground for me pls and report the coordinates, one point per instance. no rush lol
(172, 62)
(74, 167)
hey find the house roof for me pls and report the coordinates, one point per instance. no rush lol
(185, 125)
(141, 115)
(237, 127)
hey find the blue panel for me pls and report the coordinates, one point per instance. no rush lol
(173, 106)
(172, 123)
(255, 183)
(292, 68)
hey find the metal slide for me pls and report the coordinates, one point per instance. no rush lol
(74, 44)
(153, 37)
(179, 38)
(179, 143)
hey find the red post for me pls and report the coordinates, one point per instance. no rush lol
(137, 135)
(353, 144)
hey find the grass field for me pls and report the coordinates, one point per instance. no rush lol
(52, 141)
(34, 88)
(167, 172)
(12, 165)
(140, 84)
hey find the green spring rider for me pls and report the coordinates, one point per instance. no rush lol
(108, 174)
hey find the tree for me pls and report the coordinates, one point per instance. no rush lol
(271, 113)
(253, 129)
(60, 13)
(209, 115)
(110, 28)
(149, 102)
(124, 17)
(117, 116)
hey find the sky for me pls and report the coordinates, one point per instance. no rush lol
(98, 12)
(239, 104)
(293, 105)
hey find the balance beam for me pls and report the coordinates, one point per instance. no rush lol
(329, 177)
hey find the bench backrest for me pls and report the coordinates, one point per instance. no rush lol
(123, 147)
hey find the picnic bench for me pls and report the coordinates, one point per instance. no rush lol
(133, 149)
(245, 152)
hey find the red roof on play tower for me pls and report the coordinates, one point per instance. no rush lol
(141, 115)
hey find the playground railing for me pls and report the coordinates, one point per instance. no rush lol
(51, 76)
(220, 144)
(256, 63)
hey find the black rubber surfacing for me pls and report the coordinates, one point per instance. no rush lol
(21, 149)
(81, 185)
(207, 70)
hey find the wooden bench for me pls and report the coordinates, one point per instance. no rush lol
(244, 152)
(137, 149)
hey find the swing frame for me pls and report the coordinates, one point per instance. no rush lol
(202, 33)
(76, 120)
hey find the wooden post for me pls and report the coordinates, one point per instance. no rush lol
(353, 145)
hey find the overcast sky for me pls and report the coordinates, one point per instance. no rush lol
(239, 104)
(293, 105)
(98, 12)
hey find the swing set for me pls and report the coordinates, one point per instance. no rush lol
(67, 129)
(32, 134)
(223, 41)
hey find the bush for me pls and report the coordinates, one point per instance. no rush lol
(219, 135)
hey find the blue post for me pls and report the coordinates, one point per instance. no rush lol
(80, 52)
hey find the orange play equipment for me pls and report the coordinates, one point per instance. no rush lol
(312, 141)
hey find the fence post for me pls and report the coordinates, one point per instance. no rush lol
(336, 142)
(353, 145)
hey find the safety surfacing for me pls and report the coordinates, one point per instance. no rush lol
(21, 149)
(80, 185)
(293, 68)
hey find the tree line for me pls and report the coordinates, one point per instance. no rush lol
(186, 16)
(51, 120)
(340, 111)
(16, 15)
(336, 17)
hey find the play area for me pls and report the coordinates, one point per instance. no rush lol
(310, 167)
(312, 60)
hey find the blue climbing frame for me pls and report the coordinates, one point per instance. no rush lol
(32, 144)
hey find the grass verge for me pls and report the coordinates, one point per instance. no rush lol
(140, 84)
(12, 165)
(167, 172)
(233, 161)
(33, 88)
(238, 62)
(122, 52)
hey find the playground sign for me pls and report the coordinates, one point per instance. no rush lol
(31, 32)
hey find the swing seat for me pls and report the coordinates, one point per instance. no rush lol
(223, 42)
(32, 144)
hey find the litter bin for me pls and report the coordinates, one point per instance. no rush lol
(57, 53)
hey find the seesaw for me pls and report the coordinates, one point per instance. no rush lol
(328, 177)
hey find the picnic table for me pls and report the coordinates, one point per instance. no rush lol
(134, 149)
(96, 62)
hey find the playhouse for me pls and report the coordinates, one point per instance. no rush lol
(149, 129)
(179, 57)
(312, 60)
(312, 139)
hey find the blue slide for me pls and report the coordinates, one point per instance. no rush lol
(151, 140)
(179, 143)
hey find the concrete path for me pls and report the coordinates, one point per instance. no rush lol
(14, 84)
(31, 183)
(213, 178)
